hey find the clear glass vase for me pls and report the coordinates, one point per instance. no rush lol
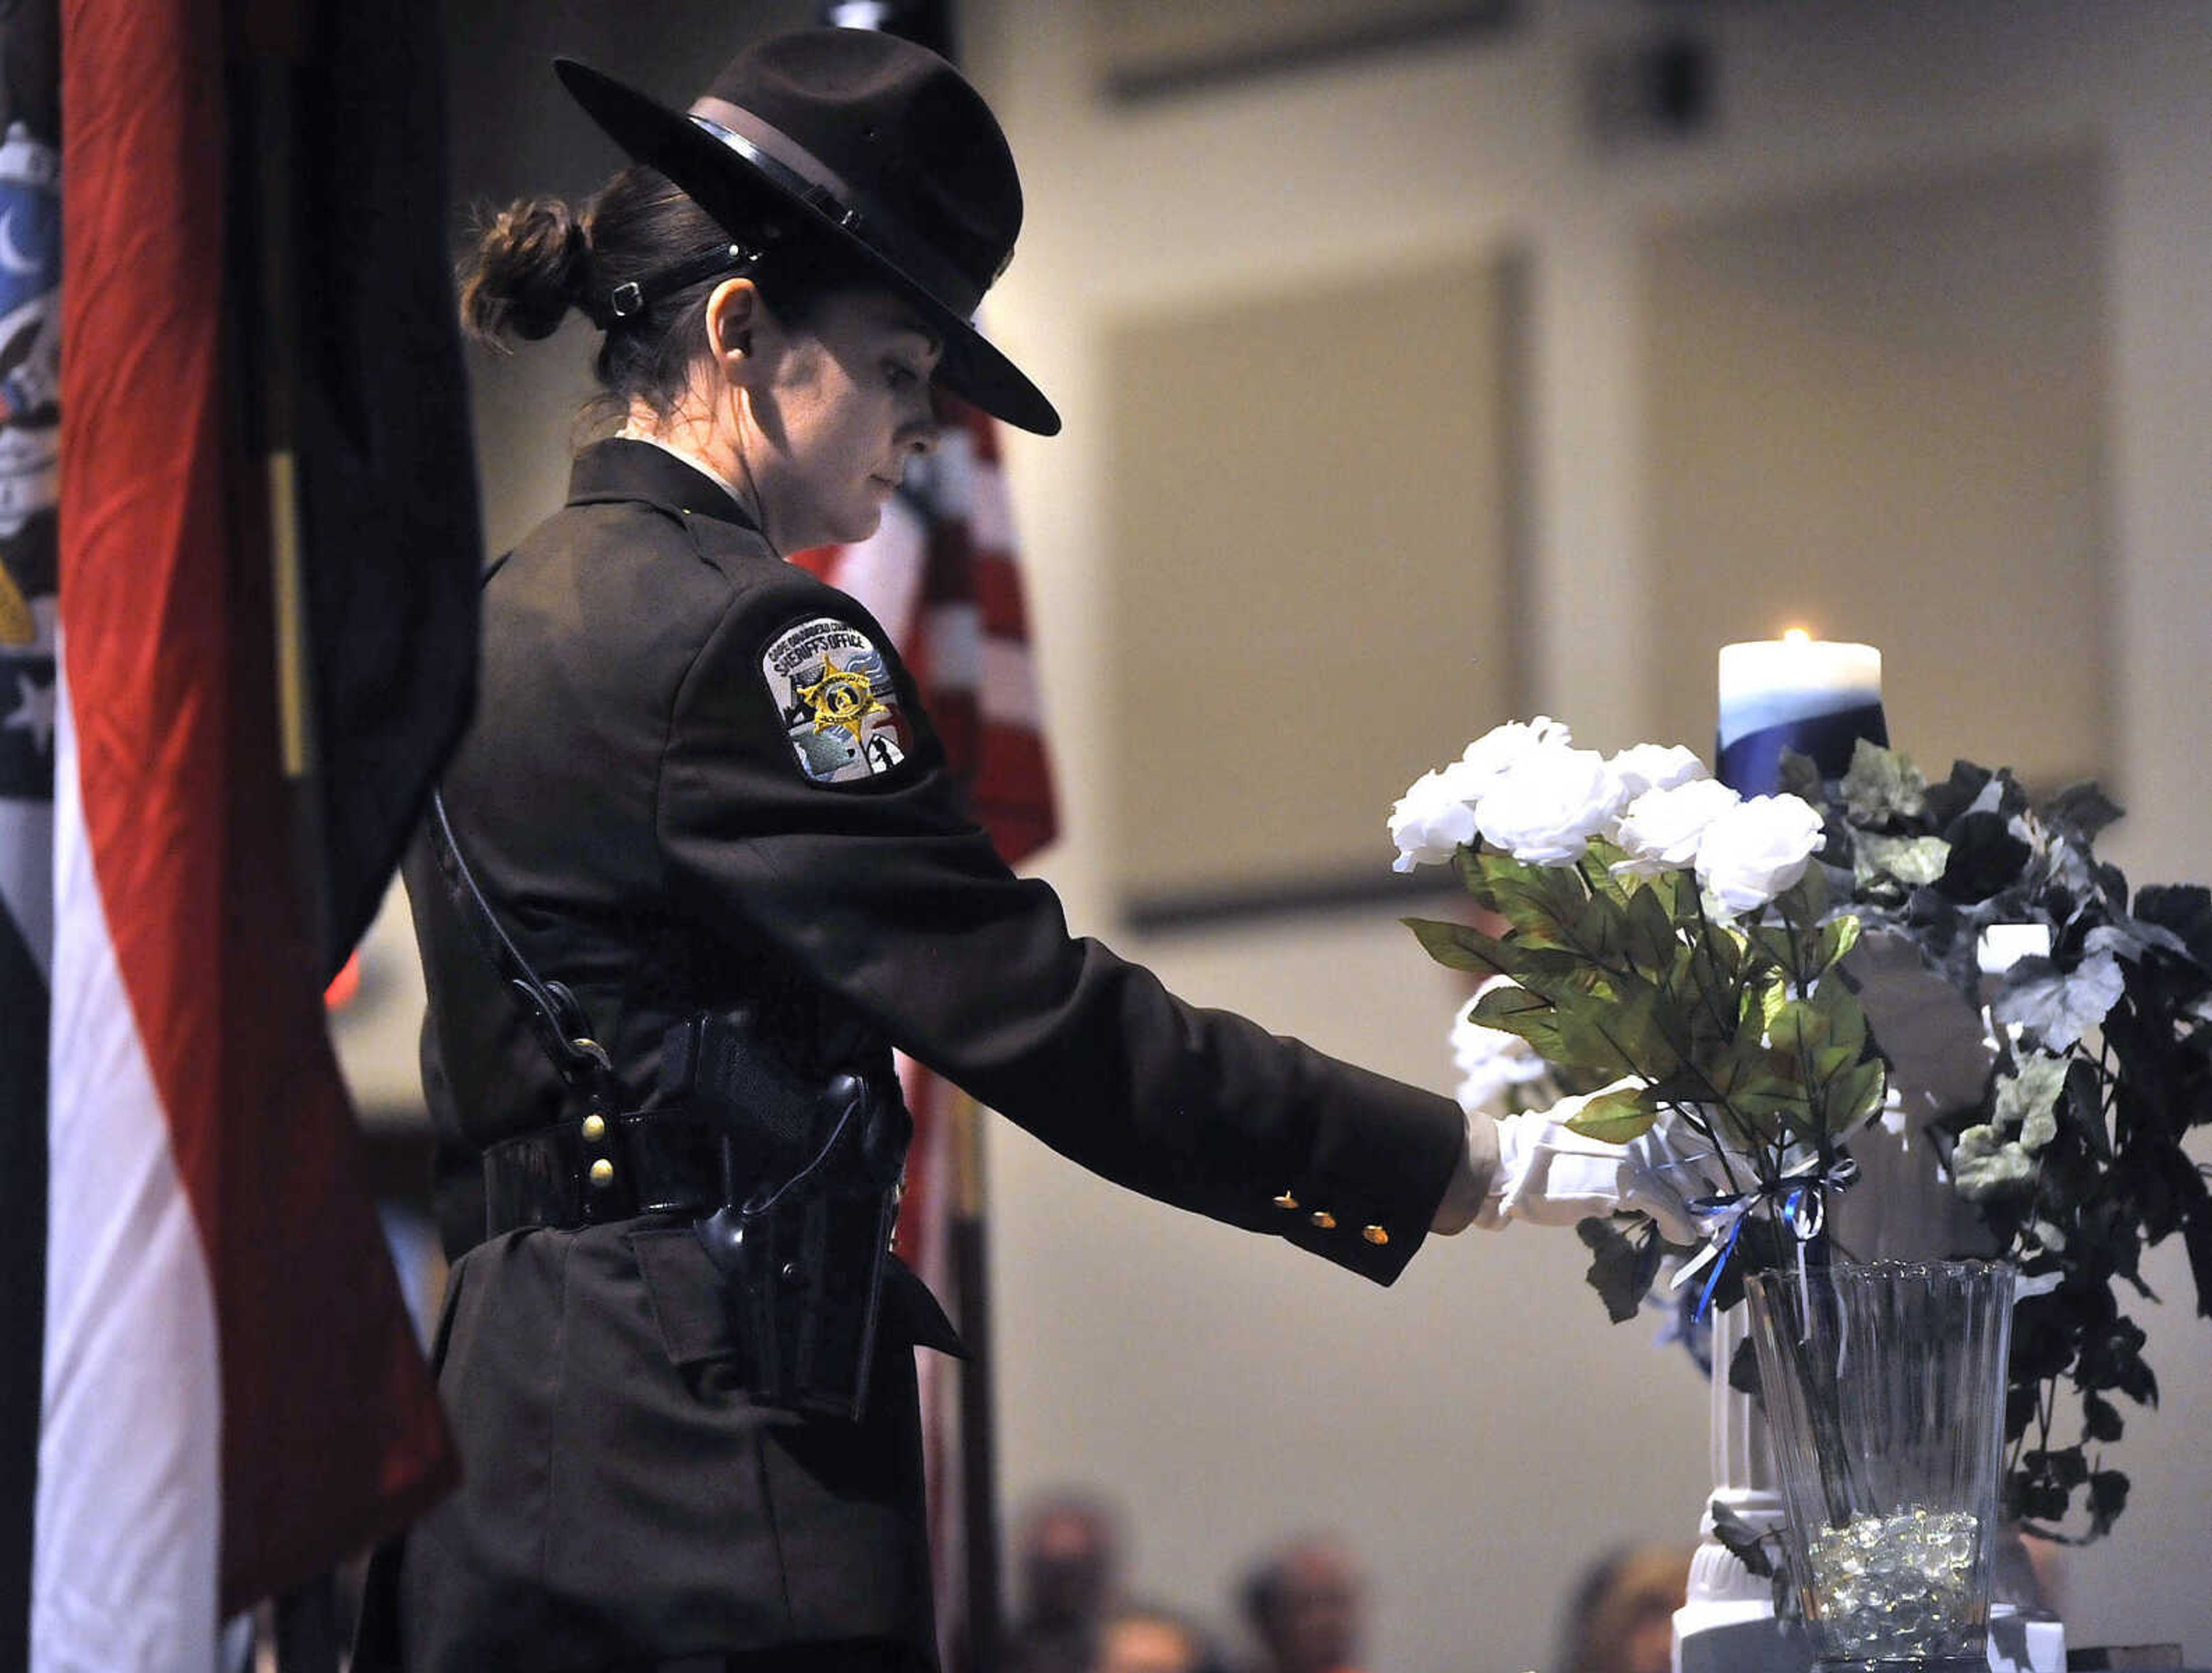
(1884, 1386)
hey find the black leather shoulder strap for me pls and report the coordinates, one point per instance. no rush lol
(555, 1016)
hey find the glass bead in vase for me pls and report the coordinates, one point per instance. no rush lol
(1884, 1388)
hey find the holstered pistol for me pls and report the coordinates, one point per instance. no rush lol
(810, 1197)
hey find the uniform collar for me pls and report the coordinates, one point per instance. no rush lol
(619, 468)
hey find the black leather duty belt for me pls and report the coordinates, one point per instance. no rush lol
(587, 1171)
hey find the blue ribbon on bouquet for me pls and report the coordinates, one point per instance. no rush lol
(1796, 1199)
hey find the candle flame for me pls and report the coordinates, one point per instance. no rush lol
(1796, 636)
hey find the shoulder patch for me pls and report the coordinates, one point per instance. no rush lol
(840, 708)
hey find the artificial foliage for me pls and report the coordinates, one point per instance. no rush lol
(1631, 981)
(2077, 1158)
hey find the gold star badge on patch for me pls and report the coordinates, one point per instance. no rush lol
(842, 699)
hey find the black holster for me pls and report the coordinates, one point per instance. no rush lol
(810, 1198)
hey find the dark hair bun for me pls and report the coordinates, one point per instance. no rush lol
(532, 264)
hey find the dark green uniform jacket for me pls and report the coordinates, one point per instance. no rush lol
(699, 777)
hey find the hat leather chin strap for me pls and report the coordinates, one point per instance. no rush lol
(805, 177)
(635, 296)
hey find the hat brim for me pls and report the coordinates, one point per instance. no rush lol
(730, 188)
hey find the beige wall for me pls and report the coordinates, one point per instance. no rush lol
(1309, 534)
(1479, 1430)
(1880, 411)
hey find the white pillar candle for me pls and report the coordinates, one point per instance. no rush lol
(1780, 682)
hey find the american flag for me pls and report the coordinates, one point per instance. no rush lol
(230, 1395)
(942, 577)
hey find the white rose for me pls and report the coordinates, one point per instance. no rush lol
(1662, 827)
(1431, 819)
(1753, 851)
(1503, 747)
(1490, 1062)
(1649, 766)
(1545, 807)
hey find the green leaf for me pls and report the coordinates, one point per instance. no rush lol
(1743, 1541)
(2066, 1466)
(1835, 941)
(1627, 1252)
(1614, 1033)
(1831, 1061)
(1641, 1028)
(1774, 945)
(2060, 1006)
(1985, 1165)
(1601, 932)
(1799, 1027)
(2100, 1419)
(1541, 902)
(1725, 952)
(2081, 810)
(1676, 891)
(1855, 1096)
(1463, 946)
(1882, 785)
(1613, 1117)
(1845, 1017)
(1685, 1086)
(1951, 798)
(1915, 861)
(1743, 1368)
(1805, 902)
(2108, 1497)
(1516, 1011)
(1766, 1093)
(1987, 856)
(1597, 870)
(2027, 1101)
(1762, 1003)
(1654, 946)
(1468, 861)
(2182, 910)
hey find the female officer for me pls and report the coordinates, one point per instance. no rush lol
(699, 869)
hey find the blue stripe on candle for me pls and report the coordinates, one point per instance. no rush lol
(1746, 712)
(1753, 763)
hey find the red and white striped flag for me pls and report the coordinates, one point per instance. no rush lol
(233, 1398)
(942, 577)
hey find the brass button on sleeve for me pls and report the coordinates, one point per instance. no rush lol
(1286, 1201)
(595, 1128)
(603, 1173)
(1375, 1236)
(1324, 1219)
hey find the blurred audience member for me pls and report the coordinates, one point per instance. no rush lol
(1306, 1603)
(1144, 1639)
(1067, 1568)
(1621, 1616)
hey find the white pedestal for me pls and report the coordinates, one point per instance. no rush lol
(1727, 1625)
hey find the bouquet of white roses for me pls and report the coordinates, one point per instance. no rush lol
(1661, 936)
(1645, 926)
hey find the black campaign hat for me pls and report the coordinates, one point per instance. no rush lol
(873, 141)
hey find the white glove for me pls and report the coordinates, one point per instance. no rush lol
(1551, 1176)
